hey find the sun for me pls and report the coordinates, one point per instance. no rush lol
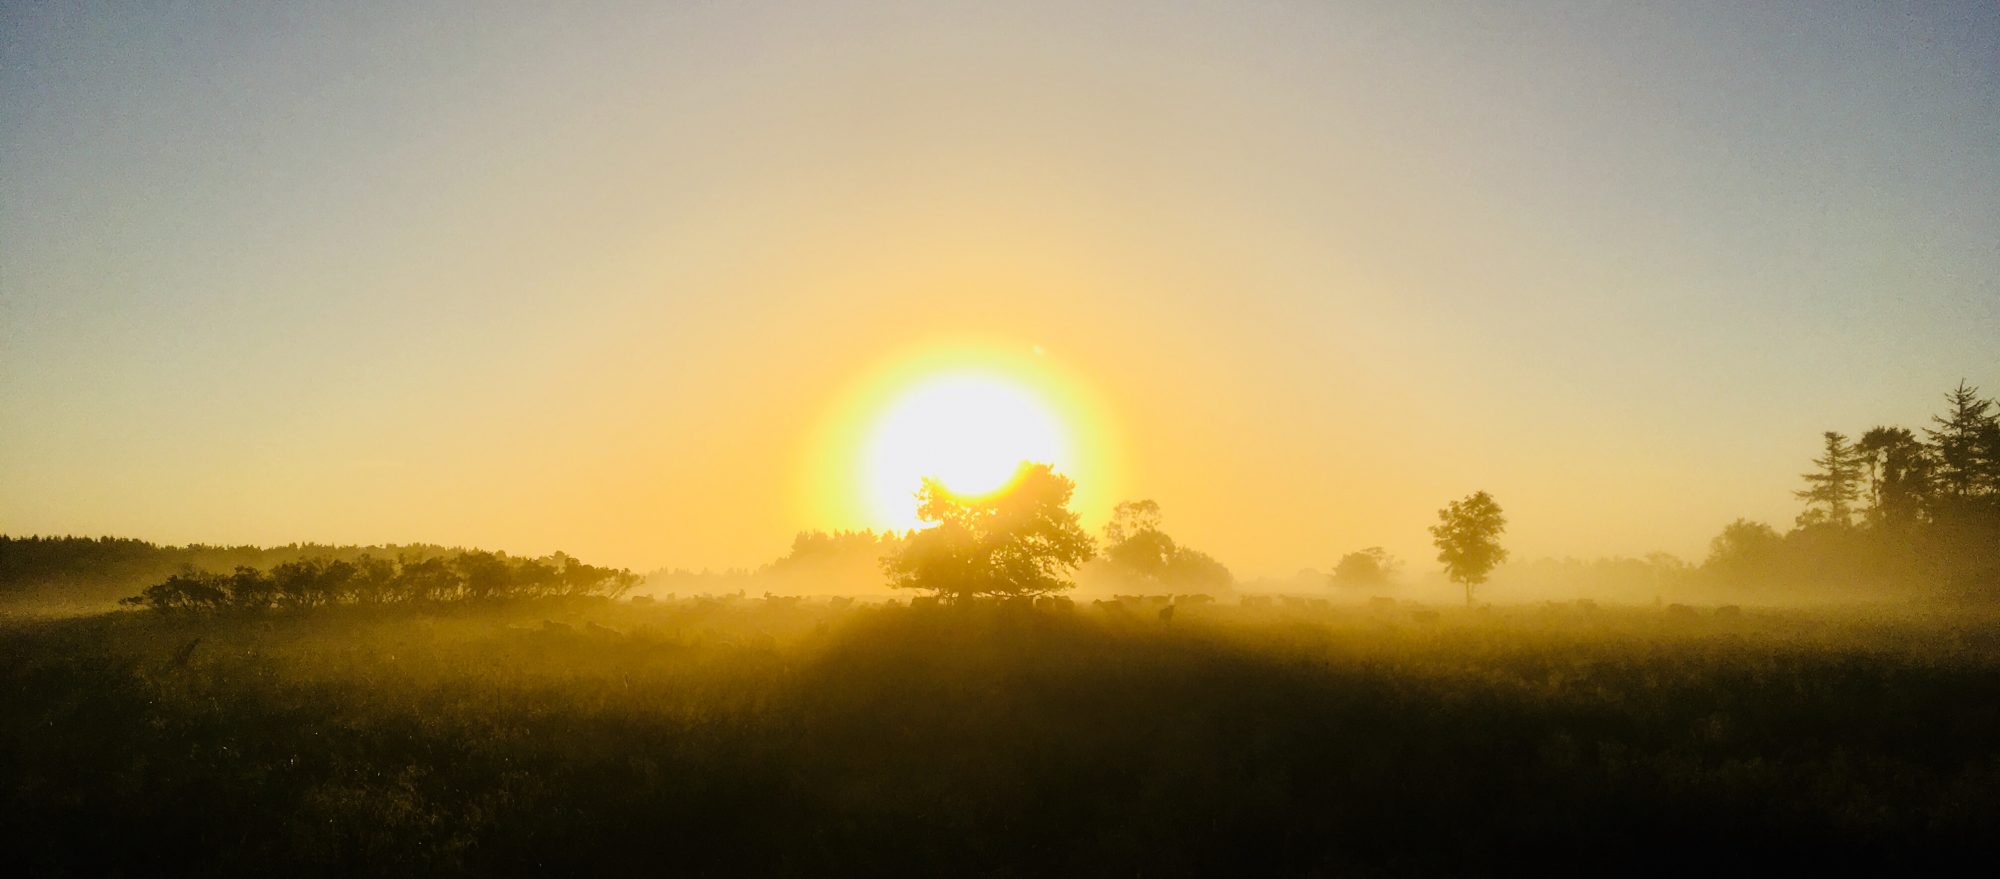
(966, 410)
(969, 429)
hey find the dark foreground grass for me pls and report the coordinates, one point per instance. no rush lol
(761, 741)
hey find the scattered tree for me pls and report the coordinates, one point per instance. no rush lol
(1366, 568)
(1743, 550)
(1135, 544)
(1194, 571)
(1467, 537)
(1131, 518)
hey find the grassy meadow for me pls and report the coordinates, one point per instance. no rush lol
(748, 737)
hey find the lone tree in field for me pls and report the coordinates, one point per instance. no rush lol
(1020, 541)
(1467, 537)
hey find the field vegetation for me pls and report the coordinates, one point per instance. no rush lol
(451, 711)
(780, 736)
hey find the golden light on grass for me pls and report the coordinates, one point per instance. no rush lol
(968, 415)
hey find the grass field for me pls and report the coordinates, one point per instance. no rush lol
(745, 738)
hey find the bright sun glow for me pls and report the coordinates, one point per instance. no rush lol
(966, 410)
(971, 430)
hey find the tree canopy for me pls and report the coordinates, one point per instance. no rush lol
(1137, 548)
(1467, 537)
(1020, 541)
(1832, 489)
(1373, 566)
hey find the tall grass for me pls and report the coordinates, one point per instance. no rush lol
(750, 739)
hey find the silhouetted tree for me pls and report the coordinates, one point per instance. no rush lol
(1198, 572)
(1020, 541)
(251, 589)
(426, 579)
(374, 579)
(484, 575)
(1147, 553)
(577, 578)
(1467, 537)
(1365, 568)
(1830, 491)
(1744, 550)
(1130, 518)
(1898, 475)
(301, 584)
(186, 589)
(313, 582)
(1966, 443)
(1135, 543)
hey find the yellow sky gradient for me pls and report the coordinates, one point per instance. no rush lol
(625, 282)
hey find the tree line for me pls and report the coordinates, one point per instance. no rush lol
(1891, 509)
(1894, 506)
(90, 570)
(304, 584)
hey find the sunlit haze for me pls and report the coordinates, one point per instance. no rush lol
(664, 284)
(969, 431)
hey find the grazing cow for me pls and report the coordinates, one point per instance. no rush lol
(1256, 601)
(553, 626)
(1167, 614)
(1681, 610)
(596, 629)
(1295, 601)
(1424, 616)
(1160, 599)
(1197, 599)
(1729, 610)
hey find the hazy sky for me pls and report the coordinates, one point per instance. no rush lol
(598, 277)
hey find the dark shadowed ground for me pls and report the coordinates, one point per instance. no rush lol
(751, 739)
